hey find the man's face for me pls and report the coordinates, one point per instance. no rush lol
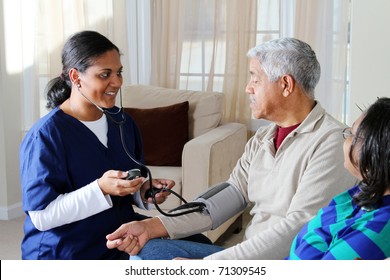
(265, 96)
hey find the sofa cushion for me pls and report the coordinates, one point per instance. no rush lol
(164, 132)
(205, 112)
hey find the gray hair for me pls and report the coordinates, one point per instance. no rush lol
(289, 56)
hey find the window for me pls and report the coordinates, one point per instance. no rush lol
(205, 42)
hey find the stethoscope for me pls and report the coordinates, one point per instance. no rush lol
(192, 207)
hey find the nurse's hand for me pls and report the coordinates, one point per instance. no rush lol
(161, 190)
(113, 182)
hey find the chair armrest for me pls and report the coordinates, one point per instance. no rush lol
(210, 158)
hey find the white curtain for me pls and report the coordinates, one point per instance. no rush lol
(241, 22)
(324, 25)
(216, 32)
(44, 27)
(168, 18)
(228, 28)
(58, 19)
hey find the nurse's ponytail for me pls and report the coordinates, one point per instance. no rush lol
(57, 91)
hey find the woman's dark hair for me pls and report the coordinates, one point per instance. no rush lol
(372, 145)
(80, 52)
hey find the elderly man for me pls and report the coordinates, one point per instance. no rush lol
(288, 171)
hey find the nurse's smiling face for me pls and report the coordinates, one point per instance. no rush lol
(95, 87)
(102, 80)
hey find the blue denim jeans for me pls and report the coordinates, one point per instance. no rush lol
(167, 249)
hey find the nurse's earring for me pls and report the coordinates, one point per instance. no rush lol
(77, 83)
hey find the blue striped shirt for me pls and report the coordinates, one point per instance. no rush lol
(345, 231)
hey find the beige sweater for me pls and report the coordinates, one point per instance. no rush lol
(286, 187)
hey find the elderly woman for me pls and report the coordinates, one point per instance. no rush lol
(356, 224)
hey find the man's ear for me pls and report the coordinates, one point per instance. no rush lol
(288, 84)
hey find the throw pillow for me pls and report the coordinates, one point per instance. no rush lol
(164, 132)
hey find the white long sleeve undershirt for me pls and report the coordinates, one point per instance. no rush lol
(75, 206)
(71, 207)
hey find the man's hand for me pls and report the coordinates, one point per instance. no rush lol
(132, 237)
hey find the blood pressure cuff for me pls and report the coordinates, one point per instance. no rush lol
(222, 202)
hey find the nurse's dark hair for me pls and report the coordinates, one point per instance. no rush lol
(371, 146)
(79, 52)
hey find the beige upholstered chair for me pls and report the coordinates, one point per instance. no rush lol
(212, 149)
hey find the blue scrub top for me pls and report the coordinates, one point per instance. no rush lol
(59, 155)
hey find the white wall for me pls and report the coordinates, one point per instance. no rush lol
(370, 53)
(10, 134)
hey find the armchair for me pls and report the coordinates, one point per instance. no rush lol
(208, 155)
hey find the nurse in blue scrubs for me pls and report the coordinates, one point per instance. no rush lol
(73, 161)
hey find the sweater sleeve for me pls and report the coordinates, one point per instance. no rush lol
(186, 225)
